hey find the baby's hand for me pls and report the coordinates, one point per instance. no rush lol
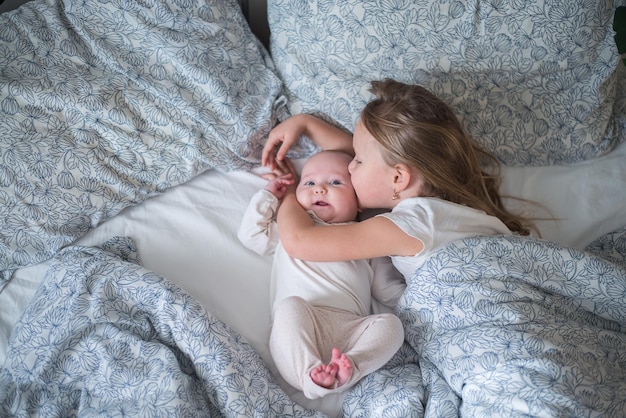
(282, 179)
(279, 185)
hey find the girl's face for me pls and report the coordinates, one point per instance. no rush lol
(372, 178)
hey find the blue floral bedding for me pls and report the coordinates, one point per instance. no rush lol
(497, 326)
(509, 326)
(534, 82)
(105, 337)
(145, 96)
(104, 104)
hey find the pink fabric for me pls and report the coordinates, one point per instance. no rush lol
(304, 335)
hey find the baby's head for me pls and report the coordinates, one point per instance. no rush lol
(326, 189)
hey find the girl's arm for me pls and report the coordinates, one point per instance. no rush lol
(287, 133)
(374, 237)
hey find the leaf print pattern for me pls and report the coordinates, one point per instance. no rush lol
(104, 336)
(534, 82)
(484, 337)
(396, 390)
(536, 328)
(105, 104)
(611, 246)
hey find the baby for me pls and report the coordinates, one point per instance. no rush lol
(323, 338)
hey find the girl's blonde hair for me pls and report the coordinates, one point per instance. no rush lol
(416, 128)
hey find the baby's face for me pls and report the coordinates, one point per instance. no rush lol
(325, 188)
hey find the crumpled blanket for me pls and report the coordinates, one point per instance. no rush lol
(105, 337)
(495, 326)
(512, 326)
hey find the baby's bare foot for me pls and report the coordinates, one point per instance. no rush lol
(344, 366)
(325, 375)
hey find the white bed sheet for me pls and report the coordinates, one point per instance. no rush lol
(588, 199)
(188, 235)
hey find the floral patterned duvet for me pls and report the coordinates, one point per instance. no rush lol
(497, 326)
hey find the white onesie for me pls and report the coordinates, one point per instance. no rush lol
(320, 305)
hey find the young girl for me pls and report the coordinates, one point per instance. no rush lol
(411, 155)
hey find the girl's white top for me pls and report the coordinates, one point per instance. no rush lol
(437, 222)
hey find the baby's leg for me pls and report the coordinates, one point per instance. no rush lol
(374, 343)
(370, 342)
(297, 341)
(302, 332)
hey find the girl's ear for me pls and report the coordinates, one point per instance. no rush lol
(402, 177)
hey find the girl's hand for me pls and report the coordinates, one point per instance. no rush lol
(280, 139)
(287, 133)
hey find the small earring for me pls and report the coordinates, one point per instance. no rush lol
(395, 195)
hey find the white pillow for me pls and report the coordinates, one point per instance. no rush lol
(536, 84)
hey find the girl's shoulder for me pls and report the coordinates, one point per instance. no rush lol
(427, 216)
(435, 205)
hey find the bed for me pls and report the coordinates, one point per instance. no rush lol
(131, 136)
